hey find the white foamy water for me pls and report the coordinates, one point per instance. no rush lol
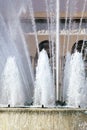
(12, 91)
(66, 76)
(77, 93)
(13, 44)
(44, 87)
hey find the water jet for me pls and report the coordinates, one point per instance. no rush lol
(17, 84)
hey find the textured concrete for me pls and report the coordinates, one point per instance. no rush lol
(42, 119)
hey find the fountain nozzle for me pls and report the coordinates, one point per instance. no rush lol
(42, 106)
(8, 105)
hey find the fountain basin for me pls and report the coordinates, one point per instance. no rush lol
(43, 119)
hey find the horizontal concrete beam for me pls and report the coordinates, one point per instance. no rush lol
(43, 119)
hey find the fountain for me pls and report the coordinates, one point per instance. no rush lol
(13, 44)
(77, 93)
(11, 84)
(66, 76)
(17, 79)
(44, 82)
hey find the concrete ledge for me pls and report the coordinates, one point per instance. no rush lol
(43, 119)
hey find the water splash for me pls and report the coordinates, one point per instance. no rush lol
(77, 84)
(11, 84)
(13, 44)
(44, 87)
(52, 29)
(66, 18)
(66, 76)
(72, 11)
(81, 19)
(30, 6)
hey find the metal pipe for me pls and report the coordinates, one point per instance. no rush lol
(57, 49)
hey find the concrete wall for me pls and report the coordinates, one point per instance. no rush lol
(42, 119)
